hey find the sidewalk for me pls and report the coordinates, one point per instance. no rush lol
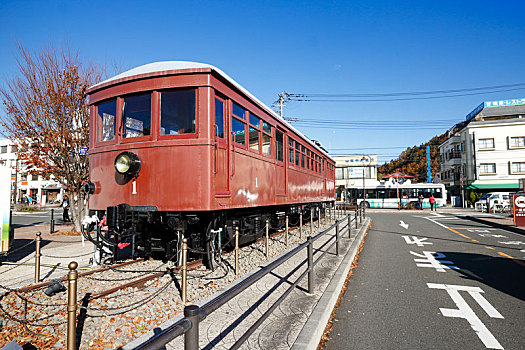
(298, 322)
(57, 251)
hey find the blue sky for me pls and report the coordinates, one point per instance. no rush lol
(332, 47)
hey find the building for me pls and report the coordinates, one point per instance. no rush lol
(25, 184)
(486, 152)
(352, 170)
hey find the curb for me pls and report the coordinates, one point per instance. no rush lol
(312, 332)
(497, 225)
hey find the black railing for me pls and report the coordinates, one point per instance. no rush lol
(193, 314)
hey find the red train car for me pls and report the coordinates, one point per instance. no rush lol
(179, 149)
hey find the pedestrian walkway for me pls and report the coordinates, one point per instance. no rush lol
(298, 322)
(18, 268)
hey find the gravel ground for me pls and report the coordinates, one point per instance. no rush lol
(114, 320)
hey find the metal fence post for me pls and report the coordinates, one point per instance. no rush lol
(37, 256)
(318, 212)
(52, 223)
(337, 237)
(286, 231)
(311, 220)
(310, 252)
(191, 337)
(237, 251)
(356, 218)
(301, 225)
(349, 225)
(330, 212)
(72, 306)
(267, 240)
(184, 270)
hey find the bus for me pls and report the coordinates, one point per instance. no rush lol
(385, 195)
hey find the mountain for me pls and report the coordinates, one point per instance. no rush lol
(413, 160)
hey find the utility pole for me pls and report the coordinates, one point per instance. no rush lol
(283, 97)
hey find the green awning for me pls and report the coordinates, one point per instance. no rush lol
(489, 186)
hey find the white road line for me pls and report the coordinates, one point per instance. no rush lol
(464, 311)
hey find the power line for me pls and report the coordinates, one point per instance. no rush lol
(433, 92)
(307, 98)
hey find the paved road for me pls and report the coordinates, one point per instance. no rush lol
(434, 281)
(36, 218)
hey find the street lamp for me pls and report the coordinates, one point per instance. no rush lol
(364, 190)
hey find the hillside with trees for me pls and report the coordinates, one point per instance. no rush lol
(413, 160)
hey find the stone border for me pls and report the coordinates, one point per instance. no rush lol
(312, 332)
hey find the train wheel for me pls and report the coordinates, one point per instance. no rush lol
(212, 245)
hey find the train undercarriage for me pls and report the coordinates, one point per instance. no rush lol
(159, 234)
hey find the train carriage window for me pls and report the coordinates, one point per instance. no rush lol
(255, 121)
(136, 115)
(279, 146)
(303, 151)
(238, 131)
(267, 128)
(291, 150)
(106, 119)
(219, 118)
(239, 111)
(267, 144)
(253, 139)
(297, 153)
(177, 112)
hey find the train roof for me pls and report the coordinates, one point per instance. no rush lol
(177, 67)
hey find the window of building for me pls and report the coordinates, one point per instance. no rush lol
(177, 112)
(517, 142)
(106, 120)
(3, 149)
(14, 148)
(136, 115)
(486, 144)
(279, 145)
(238, 131)
(34, 177)
(340, 173)
(487, 168)
(219, 118)
(517, 167)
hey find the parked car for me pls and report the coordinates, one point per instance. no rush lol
(496, 201)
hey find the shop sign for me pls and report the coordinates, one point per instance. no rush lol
(518, 204)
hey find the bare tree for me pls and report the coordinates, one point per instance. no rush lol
(47, 116)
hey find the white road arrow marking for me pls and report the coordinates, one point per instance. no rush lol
(402, 224)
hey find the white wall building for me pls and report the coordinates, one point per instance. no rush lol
(24, 184)
(486, 152)
(352, 169)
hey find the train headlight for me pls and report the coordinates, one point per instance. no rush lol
(127, 163)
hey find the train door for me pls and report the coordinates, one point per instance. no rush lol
(280, 164)
(220, 169)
